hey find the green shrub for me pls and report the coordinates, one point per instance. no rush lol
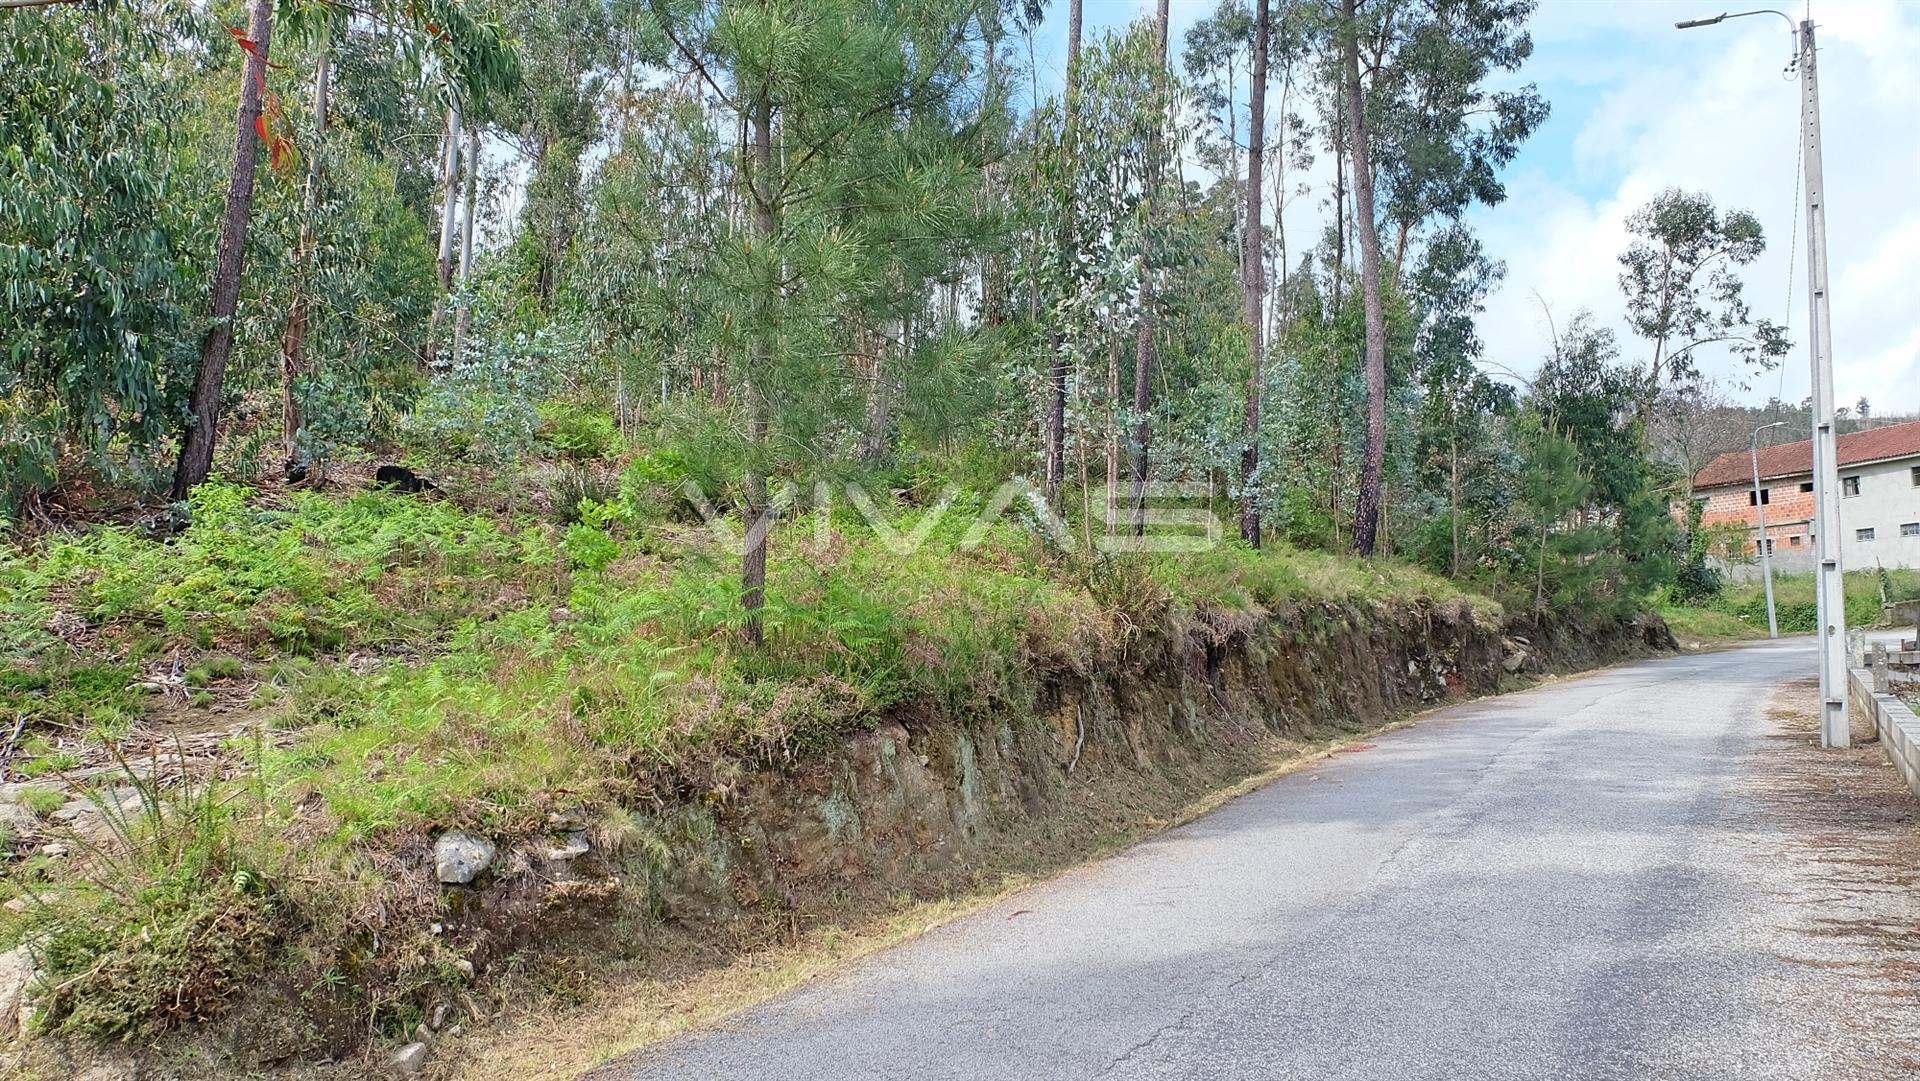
(319, 575)
(578, 433)
(576, 486)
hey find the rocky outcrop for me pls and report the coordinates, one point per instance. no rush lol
(917, 802)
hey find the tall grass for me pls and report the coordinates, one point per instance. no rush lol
(1796, 608)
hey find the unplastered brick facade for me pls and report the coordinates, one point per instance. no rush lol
(1879, 505)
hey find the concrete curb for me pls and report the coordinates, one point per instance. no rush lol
(1898, 727)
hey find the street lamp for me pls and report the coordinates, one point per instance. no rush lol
(1828, 592)
(1760, 509)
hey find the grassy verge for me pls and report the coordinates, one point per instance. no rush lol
(378, 667)
(1740, 610)
(1706, 628)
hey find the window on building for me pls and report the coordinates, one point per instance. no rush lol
(1910, 529)
(1863, 534)
(1768, 543)
(1793, 541)
(1807, 485)
(1916, 476)
(1849, 485)
(1764, 496)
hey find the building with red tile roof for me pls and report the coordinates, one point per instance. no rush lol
(1879, 504)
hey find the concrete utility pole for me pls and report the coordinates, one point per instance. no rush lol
(1760, 509)
(1829, 593)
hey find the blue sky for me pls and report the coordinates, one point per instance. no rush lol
(1639, 106)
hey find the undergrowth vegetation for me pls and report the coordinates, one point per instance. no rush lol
(433, 667)
(1739, 609)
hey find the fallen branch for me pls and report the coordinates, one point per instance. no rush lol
(13, 739)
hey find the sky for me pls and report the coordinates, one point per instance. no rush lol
(1639, 106)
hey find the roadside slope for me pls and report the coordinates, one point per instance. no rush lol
(1570, 879)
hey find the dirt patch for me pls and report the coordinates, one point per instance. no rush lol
(1852, 827)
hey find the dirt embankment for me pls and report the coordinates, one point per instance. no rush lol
(916, 809)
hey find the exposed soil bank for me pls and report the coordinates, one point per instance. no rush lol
(916, 808)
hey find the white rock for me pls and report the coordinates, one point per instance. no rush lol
(17, 819)
(409, 1060)
(71, 811)
(459, 857)
(16, 973)
(573, 847)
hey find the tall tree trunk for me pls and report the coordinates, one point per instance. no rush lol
(1233, 163)
(293, 336)
(1057, 366)
(463, 318)
(1143, 358)
(196, 445)
(1453, 491)
(449, 210)
(1339, 217)
(879, 410)
(1113, 435)
(993, 266)
(1142, 407)
(1366, 511)
(1254, 284)
(756, 514)
(1400, 250)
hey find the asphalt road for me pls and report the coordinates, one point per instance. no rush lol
(1572, 882)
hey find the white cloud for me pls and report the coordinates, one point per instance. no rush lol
(1710, 109)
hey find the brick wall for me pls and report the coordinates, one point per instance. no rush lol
(1789, 511)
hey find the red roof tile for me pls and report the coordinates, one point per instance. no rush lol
(1796, 459)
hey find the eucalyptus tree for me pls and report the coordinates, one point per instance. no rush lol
(1056, 448)
(1683, 291)
(1366, 511)
(472, 57)
(648, 260)
(1102, 168)
(1253, 275)
(553, 116)
(97, 249)
(1458, 443)
(196, 445)
(1218, 48)
(1427, 129)
(1443, 123)
(293, 335)
(1160, 139)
